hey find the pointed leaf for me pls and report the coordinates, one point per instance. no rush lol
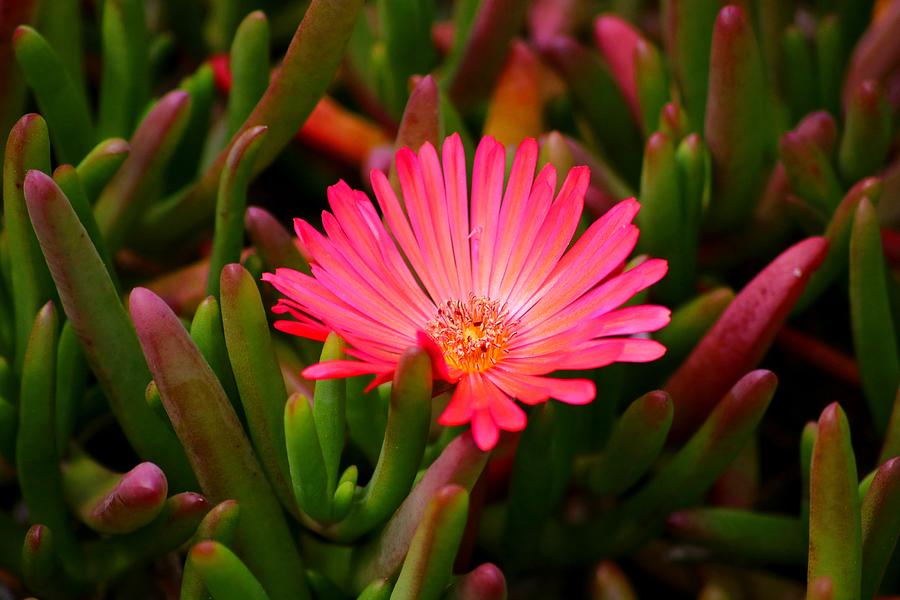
(870, 315)
(231, 205)
(306, 71)
(58, 97)
(256, 373)
(124, 84)
(634, 445)
(409, 419)
(835, 530)
(736, 125)
(97, 168)
(429, 563)
(249, 63)
(461, 463)
(742, 335)
(27, 148)
(219, 525)
(202, 417)
(93, 307)
(223, 573)
(128, 194)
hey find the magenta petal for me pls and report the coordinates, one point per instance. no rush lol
(484, 431)
(332, 369)
(461, 407)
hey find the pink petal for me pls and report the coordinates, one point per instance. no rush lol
(531, 389)
(313, 332)
(421, 210)
(526, 227)
(630, 320)
(333, 369)
(600, 300)
(506, 413)
(438, 364)
(454, 162)
(600, 353)
(487, 190)
(439, 211)
(554, 236)
(603, 247)
(515, 203)
(400, 228)
(357, 232)
(484, 430)
(462, 405)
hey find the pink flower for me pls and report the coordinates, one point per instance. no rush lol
(490, 288)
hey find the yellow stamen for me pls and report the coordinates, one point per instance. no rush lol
(474, 334)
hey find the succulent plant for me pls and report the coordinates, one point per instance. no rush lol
(173, 425)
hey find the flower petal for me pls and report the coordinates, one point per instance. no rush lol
(484, 431)
(332, 369)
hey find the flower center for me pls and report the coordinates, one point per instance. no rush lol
(474, 333)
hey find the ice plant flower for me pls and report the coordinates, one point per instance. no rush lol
(484, 282)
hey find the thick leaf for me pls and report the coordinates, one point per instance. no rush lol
(97, 168)
(129, 193)
(203, 419)
(409, 418)
(220, 525)
(838, 236)
(405, 27)
(870, 315)
(306, 71)
(867, 132)
(41, 567)
(516, 107)
(877, 52)
(461, 463)
(223, 573)
(37, 457)
(636, 442)
(272, 241)
(476, 60)
(835, 530)
(249, 63)
(228, 241)
(256, 373)
(687, 32)
(485, 582)
(27, 148)
(680, 483)
(880, 525)
(742, 335)
(737, 125)
(59, 98)
(93, 307)
(114, 503)
(111, 557)
(125, 82)
(329, 412)
(600, 101)
(429, 563)
(744, 535)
